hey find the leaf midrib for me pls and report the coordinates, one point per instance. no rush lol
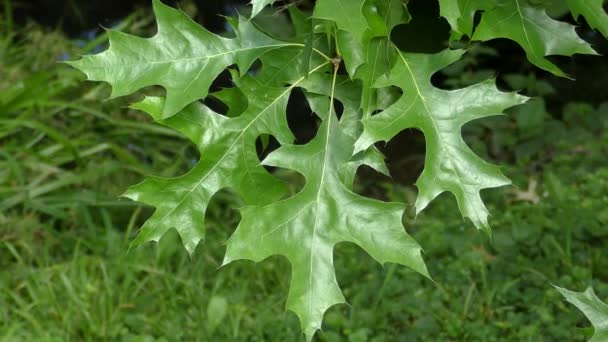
(197, 58)
(432, 119)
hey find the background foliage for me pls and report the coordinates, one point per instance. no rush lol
(65, 156)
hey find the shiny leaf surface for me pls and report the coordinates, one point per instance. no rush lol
(440, 114)
(182, 57)
(306, 227)
(229, 159)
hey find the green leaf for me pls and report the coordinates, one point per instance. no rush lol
(306, 227)
(182, 57)
(594, 309)
(347, 14)
(185, 59)
(461, 13)
(367, 51)
(353, 34)
(229, 159)
(350, 123)
(258, 6)
(440, 114)
(593, 11)
(533, 30)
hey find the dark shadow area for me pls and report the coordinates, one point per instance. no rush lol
(302, 121)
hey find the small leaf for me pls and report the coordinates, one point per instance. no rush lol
(258, 6)
(594, 309)
(461, 13)
(593, 11)
(368, 51)
(533, 30)
(347, 14)
(353, 34)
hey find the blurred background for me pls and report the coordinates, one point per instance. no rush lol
(66, 155)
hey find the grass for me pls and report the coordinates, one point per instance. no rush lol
(82, 284)
(68, 274)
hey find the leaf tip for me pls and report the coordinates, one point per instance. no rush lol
(227, 259)
(310, 332)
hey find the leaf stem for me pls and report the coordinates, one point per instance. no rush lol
(327, 58)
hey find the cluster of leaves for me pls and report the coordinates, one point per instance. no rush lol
(382, 89)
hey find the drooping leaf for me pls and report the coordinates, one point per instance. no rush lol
(440, 114)
(594, 309)
(228, 159)
(593, 11)
(306, 227)
(258, 6)
(182, 57)
(533, 30)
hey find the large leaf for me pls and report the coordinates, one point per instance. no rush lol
(593, 11)
(533, 30)
(306, 227)
(229, 159)
(593, 308)
(440, 114)
(182, 57)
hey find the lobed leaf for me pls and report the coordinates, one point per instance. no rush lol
(594, 309)
(534, 31)
(461, 13)
(182, 57)
(440, 114)
(367, 51)
(306, 227)
(258, 6)
(517, 20)
(593, 11)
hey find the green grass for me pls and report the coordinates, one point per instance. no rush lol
(68, 273)
(82, 284)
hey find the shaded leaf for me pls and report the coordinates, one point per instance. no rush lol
(533, 30)
(593, 11)
(367, 51)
